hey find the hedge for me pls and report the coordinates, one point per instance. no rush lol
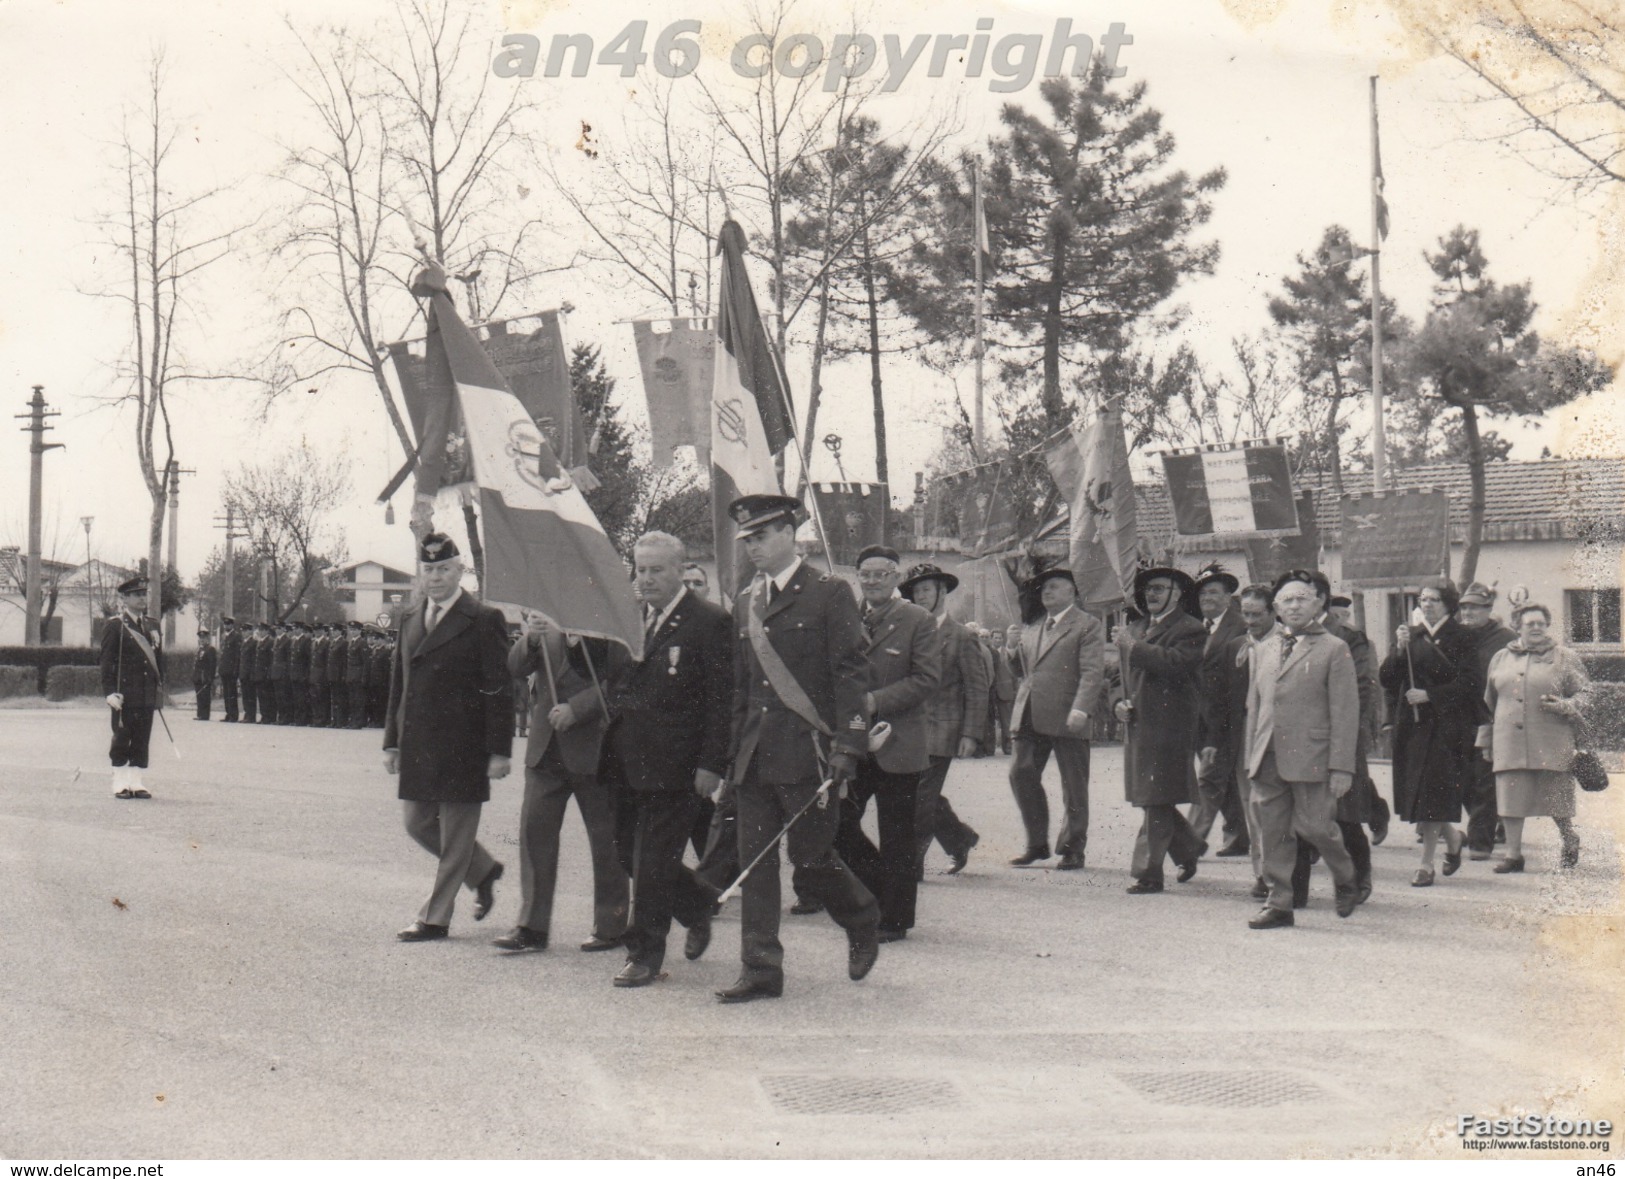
(1605, 718)
(16, 681)
(1607, 669)
(66, 683)
(40, 660)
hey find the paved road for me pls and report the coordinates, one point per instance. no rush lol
(214, 974)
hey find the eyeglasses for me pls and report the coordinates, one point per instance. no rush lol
(874, 575)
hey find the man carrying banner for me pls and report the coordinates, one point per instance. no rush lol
(449, 731)
(956, 716)
(799, 721)
(132, 665)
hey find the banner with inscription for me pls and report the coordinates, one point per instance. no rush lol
(854, 516)
(677, 358)
(1394, 538)
(1239, 492)
(1268, 559)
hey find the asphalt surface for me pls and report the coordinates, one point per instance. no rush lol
(214, 974)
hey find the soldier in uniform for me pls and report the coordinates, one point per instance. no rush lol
(379, 652)
(281, 652)
(262, 674)
(338, 664)
(247, 684)
(299, 674)
(319, 647)
(798, 721)
(355, 675)
(231, 654)
(203, 672)
(132, 666)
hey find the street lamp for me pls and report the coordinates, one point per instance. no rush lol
(90, 597)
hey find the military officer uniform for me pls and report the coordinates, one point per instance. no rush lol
(378, 655)
(231, 655)
(262, 675)
(808, 623)
(247, 684)
(132, 667)
(319, 647)
(338, 663)
(203, 672)
(355, 675)
(299, 674)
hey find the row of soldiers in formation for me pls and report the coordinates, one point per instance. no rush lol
(323, 675)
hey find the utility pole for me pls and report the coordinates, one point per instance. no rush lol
(230, 525)
(1379, 447)
(174, 471)
(978, 438)
(90, 591)
(36, 415)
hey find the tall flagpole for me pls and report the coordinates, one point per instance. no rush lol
(1379, 448)
(978, 232)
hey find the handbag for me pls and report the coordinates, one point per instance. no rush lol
(1587, 770)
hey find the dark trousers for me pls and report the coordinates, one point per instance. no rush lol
(651, 828)
(340, 716)
(1480, 799)
(268, 701)
(934, 817)
(1164, 834)
(284, 702)
(1359, 849)
(1003, 710)
(377, 703)
(1033, 751)
(250, 694)
(719, 861)
(548, 790)
(132, 736)
(358, 705)
(1216, 795)
(764, 809)
(320, 702)
(891, 871)
(228, 695)
(205, 699)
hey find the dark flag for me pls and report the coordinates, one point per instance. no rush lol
(1268, 559)
(854, 516)
(677, 365)
(1395, 538)
(987, 512)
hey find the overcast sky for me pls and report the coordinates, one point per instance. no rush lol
(1281, 104)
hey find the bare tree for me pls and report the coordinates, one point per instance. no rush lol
(287, 501)
(157, 232)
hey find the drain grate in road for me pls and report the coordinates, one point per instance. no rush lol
(1228, 1090)
(800, 1094)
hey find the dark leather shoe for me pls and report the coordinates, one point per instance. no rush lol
(890, 935)
(596, 944)
(1379, 832)
(1362, 889)
(485, 892)
(1030, 857)
(1142, 888)
(747, 989)
(698, 939)
(1272, 919)
(522, 939)
(960, 858)
(1236, 847)
(1347, 896)
(862, 950)
(1071, 863)
(1508, 864)
(422, 931)
(1261, 889)
(1452, 862)
(806, 907)
(635, 974)
(1187, 870)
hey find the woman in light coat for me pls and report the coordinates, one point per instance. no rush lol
(1536, 690)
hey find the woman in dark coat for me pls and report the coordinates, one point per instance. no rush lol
(1434, 693)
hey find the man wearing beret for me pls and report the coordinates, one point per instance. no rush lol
(956, 715)
(1062, 659)
(799, 720)
(1216, 787)
(449, 731)
(904, 655)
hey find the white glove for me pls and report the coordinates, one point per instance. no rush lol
(116, 700)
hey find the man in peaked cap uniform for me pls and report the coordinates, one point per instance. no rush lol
(955, 717)
(231, 659)
(338, 664)
(264, 685)
(799, 719)
(282, 686)
(132, 666)
(1217, 790)
(379, 651)
(299, 674)
(247, 678)
(1160, 655)
(319, 699)
(1063, 661)
(449, 731)
(204, 668)
(355, 675)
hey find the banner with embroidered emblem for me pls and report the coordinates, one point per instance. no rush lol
(1394, 537)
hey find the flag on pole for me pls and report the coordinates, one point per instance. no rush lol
(750, 415)
(1090, 466)
(1242, 490)
(854, 516)
(544, 548)
(983, 245)
(676, 357)
(1377, 182)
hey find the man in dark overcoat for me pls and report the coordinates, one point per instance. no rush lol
(1160, 654)
(378, 656)
(204, 667)
(449, 731)
(799, 720)
(1217, 791)
(132, 667)
(665, 751)
(1489, 636)
(231, 658)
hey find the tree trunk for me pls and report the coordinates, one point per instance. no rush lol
(1475, 500)
(1053, 409)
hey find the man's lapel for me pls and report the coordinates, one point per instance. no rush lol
(882, 629)
(455, 621)
(1049, 635)
(791, 588)
(1299, 650)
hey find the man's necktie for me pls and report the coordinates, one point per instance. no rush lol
(650, 625)
(432, 617)
(1211, 624)
(1288, 641)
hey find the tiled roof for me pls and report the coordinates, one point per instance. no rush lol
(1552, 499)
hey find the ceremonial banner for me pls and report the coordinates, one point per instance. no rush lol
(1238, 492)
(854, 516)
(1090, 467)
(1268, 559)
(987, 595)
(544, 548)
(1395, 538)
(750, 410)
(987, 513)
(677, 366)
